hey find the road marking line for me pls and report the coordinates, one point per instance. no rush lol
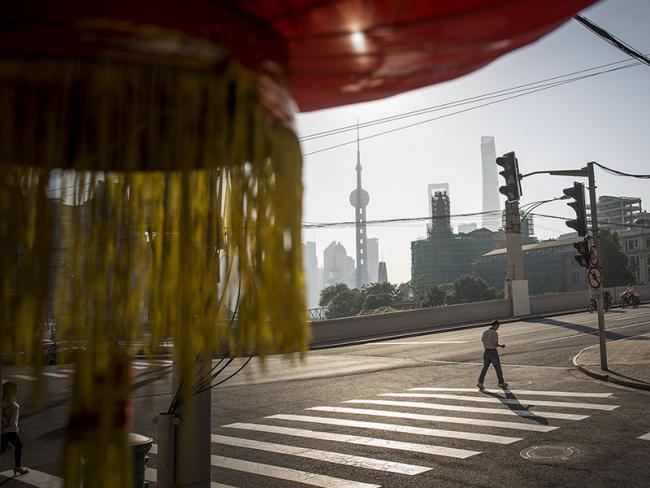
(138, 367)
(358, 440)
(563, 337)
(411, 343)
(24, 377)
(66, 370)
(328, 456)
(151, 474)
(437, 418)
(54, 375)
(457, 408)
(287, 474)
(35, 478)
(522, 392)
(645, 437)
(404, 429)
(503, 400)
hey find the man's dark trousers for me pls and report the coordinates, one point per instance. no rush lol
(491, 356)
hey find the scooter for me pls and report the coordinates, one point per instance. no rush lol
(630, 301)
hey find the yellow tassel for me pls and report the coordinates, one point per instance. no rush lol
(181, 202)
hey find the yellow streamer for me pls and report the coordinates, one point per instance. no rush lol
(179, 194)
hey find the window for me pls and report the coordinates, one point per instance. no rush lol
(647, 242)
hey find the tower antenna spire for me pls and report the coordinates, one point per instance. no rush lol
(359, 199)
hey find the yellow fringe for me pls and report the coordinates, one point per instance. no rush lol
(185, 196)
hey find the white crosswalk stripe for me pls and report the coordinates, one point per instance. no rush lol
(364, 441)
(437, 418)
(34, 478)
(508, 401)
(331, 457)
(151, 474)
(404, 429)
(340, 428)
(459, 408)
(645, 437)
(521, 392)
(25, 377)
(287, 474)
(55, 375)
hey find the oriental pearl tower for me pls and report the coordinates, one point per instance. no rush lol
(359, 199)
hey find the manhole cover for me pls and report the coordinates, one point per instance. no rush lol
(549, 453)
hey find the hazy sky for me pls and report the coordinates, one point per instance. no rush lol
(605, 118)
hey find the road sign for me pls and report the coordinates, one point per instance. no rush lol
(593, 256)
(594, 277)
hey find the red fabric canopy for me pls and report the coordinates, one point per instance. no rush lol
(399, 45)
(335, 52)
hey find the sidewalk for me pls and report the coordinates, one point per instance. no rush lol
(628, 362)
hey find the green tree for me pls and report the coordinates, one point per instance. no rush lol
(377, 295)
(471, 289)
(616, 267)
(340, 301)
(435, 297)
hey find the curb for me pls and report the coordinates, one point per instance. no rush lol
(604, 376)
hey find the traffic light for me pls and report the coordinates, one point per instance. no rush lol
(512, 188)
(577, 192)
(583, 253)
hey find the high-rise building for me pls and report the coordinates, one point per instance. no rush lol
(373, 259)
(338, 267)
(617, 211)
(382, 273)
(310, 266)
(490, 184)
(439, 209)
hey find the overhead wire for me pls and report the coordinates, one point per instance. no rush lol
(453, 103)
(469, 109)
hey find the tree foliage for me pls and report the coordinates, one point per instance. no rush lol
(340, 301)
(377, 295)
(616, 266)
(469, 288)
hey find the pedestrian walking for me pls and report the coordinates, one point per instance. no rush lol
(9, 435)
(490, 341)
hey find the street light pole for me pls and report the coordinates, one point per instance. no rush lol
(596, 238)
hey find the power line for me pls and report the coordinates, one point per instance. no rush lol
(621, 173)
(612, 39)
(454, 103)
(534, 90)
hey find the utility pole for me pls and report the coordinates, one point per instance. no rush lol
(591, 259)
(599, 291)
(516, 286)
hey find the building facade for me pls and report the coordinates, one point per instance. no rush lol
(635, 243)
(373, 259)
(549, 267)
(443, 258)
(490, 180)
(338, 267)
(616, 211)
(310, 266)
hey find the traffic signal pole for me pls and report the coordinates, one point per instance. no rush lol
(516, 287)
(599, 292)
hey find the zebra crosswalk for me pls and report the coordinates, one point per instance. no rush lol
(393, 434)
(396, 434)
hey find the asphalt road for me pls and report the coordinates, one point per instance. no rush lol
(398, 413)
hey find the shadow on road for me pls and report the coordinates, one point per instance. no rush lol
(516, 406)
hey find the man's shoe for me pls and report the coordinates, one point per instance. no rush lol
(503, 385)
(480, 386)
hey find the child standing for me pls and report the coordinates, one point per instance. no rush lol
(10, 412)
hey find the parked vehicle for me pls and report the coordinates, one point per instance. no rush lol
(607, 303)
(630, 301)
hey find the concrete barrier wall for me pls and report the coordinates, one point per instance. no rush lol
(558, 302)
(412, 321)
(366, 326)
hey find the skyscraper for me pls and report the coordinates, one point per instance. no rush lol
(373, 258)
(338, 267)
(383, 273)
(310, 266)
(490, 184)
(439, 209)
